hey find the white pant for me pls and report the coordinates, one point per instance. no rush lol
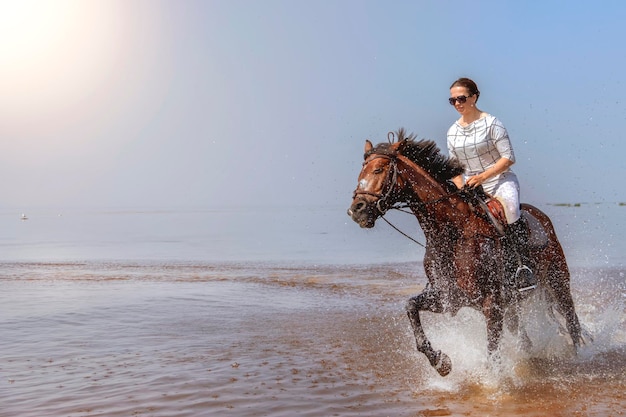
(506, 189)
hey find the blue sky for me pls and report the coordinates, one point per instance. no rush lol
(245, 103)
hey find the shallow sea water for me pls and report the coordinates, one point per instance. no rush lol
(102, 339)
(216, 313)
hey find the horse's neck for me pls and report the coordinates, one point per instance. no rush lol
(424, 186)
(438, 208)
(430, 225)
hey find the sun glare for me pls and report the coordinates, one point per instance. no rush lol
(56, 58)
(30, 30)
(50, 51)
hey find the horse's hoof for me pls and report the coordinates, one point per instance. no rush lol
(443, 365)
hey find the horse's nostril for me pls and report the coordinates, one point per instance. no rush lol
(359, 206)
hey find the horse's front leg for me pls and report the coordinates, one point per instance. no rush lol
(429, 300)
(481, 280)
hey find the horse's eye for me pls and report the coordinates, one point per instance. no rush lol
(378, 170)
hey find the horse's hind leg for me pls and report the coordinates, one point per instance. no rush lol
(427, 301)
(554, 270)
(558, 281)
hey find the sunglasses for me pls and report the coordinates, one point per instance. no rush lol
(460, 99)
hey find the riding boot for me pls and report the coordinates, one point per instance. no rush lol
(518, 236)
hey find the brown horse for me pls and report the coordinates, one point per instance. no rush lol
(466, 260)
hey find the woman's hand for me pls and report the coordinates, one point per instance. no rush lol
(502, 165)
(476, 180)
(458, 181)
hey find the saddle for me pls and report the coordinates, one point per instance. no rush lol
(486, 206)
(493, 210)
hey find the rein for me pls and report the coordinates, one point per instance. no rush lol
(400, 231)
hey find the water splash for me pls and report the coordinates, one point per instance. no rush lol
(552, 356)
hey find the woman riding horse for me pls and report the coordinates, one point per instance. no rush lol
(480, 142)
(465, 255)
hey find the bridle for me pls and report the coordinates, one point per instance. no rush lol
(383, 205)
(390, 181)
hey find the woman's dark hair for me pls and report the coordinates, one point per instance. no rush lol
(469, 84)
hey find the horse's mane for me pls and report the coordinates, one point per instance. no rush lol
(424, 153)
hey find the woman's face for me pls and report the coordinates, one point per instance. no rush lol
(459, 91)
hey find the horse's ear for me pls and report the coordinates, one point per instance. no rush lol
(368, 146)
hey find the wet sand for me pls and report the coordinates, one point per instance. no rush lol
(269, 340)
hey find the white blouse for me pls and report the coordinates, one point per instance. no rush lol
(479, 145)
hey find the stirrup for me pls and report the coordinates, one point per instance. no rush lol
(520, 269)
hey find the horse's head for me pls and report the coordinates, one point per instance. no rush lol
(378, 188)
(382, 183)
